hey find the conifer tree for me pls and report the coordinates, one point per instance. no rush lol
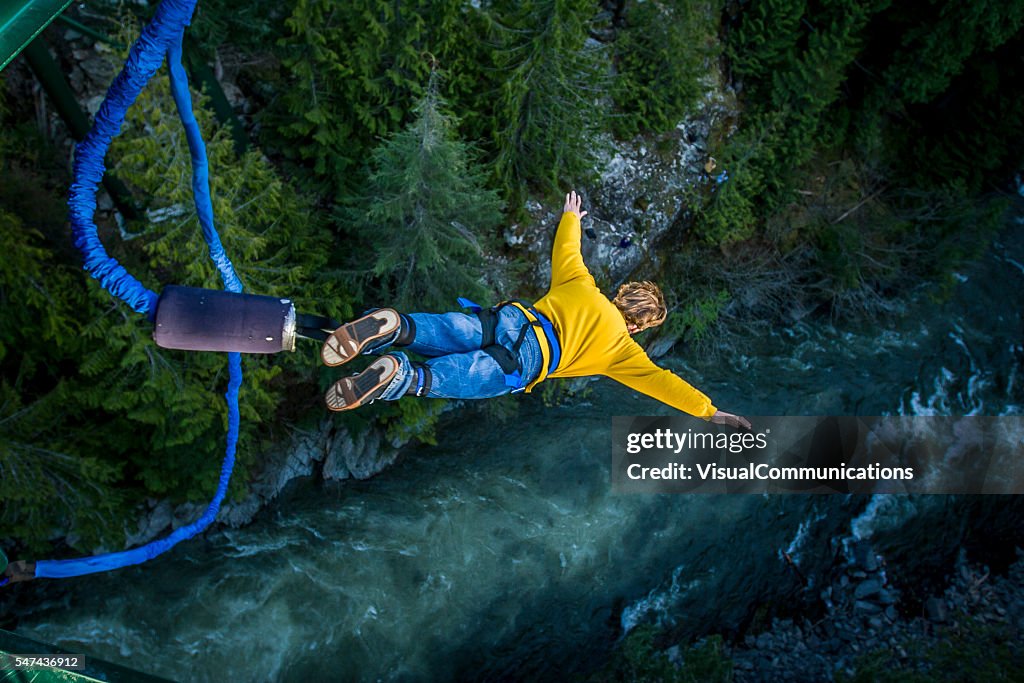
(547, 113)
(47, 479)
(660, 54)
(426, 214)
(356, 68)
(937, 42)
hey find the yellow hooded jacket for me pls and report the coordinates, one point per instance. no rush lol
(592, 333)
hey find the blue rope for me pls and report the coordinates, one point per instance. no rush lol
(161, 37)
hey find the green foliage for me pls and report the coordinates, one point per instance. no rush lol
(733, 209)
(697, 319)
(248, 25)
(547, 114)
(732, 214)
(660, 56)
(971, 135)
(826, 86)
(426, 216)
(792, 58)
(639, 659)
(412, 419)
(938, 39)
(967, 651)
(45, 482)
(355, 71)
(560, 392)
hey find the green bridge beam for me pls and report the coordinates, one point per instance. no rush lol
(94, 669)
(23, 20)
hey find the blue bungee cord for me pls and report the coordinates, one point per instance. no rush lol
(159, 39)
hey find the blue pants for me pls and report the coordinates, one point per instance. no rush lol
(459, 369)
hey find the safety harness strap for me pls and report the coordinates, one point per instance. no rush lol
(508, 359)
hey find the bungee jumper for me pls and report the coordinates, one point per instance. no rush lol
(572, 331)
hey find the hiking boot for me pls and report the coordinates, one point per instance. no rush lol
(349, 340)
(351, 392)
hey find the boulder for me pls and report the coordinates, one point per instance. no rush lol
(361, 455)
(935, 610)
(867, 588)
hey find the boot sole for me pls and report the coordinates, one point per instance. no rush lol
(349, 340)
(351, 392)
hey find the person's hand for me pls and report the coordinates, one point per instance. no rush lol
(732, 420)
(572, 204)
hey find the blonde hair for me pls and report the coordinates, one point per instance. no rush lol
(641, 304)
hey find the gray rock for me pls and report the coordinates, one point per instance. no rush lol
(186, 513)
(241, 513)
(890, 613)
(150, 525)
(867, 588)
(640, 195)
(935, 610)
(863, 555)
(876, 623)
(361, 456)
(103, 201)
(764, 641)
(99, 69)
(92, 105)
(867, 607)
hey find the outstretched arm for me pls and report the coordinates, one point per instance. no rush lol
(566, 258)
(639, 372)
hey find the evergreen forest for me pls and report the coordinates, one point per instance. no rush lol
(376, 153)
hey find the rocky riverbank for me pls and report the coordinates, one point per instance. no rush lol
(870, 631)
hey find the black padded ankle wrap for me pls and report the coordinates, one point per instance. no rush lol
(407, 334)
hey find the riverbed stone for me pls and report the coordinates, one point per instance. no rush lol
(935, 610)
(867, 588)
(867, 607)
